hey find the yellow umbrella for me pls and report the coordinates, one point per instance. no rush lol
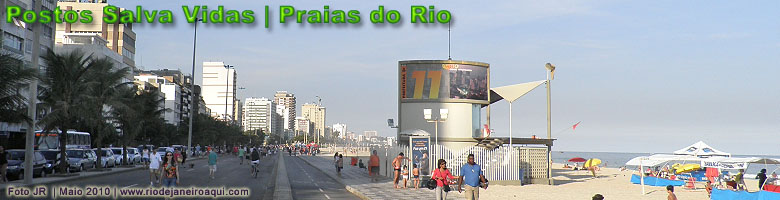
(687, 168)
(592, 162)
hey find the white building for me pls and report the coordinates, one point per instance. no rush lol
(285, 107)
(316, 115)
(302, 126)
(259, 114)
(370, 134)
(340, 130)
(171, 92)
(219, 89)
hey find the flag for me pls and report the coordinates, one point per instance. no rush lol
(575, 125)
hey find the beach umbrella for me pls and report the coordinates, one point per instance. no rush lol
(592, 162)
(577, 159)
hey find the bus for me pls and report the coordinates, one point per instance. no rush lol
(51, 140)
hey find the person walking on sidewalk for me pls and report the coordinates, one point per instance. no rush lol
(373, 166)
(212, 164)
(340, 164)
(397, 168)
(170, 171)
(442, 176)
(471, 174)
(154, 166)
(241, 153)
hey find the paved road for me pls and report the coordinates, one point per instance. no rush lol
(229, 174)
(308, 182)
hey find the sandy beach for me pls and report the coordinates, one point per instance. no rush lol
(611, 182)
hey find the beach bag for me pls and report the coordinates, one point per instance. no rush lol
(431, 184)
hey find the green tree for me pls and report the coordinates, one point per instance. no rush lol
(105, 85)
(64, 83)
(13, 77)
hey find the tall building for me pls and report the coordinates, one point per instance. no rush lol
(172, 93)
(19, 40)
(316, 114)
(219, 89)
(370, 134)
(120, 38)
(259, 114)
(183, 91)
(302, 126)
(340, 130)
(285, 107)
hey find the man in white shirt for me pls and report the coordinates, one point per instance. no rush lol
(154, 164)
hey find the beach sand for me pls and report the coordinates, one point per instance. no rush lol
(611, 182)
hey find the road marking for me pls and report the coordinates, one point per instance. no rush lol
(129, 186)
(323, 192)
(190, 170)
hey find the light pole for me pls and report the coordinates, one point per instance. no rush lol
(442, 117)
(550, 76)
(192, 86)
(227, 84)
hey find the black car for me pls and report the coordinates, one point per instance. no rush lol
(52, 160)
(16, 165)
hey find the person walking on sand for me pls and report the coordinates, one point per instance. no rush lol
(373, 166)
(592, 170)
(212, 164)
(761, 179)
(670, 191)
(397, 168)
(442, 176)
(471, 174)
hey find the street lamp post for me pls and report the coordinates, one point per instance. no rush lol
(192, 86)
(227, 86)
(550, 76)
(442, 117)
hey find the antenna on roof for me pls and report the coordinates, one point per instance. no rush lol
(449, 40)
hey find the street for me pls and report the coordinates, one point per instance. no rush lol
(306, 182)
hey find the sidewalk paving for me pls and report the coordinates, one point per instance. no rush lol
(81, 175)
(359, 183)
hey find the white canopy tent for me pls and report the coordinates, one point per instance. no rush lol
(514, 92)
(701, 149)
(658, 159)
(736, 163)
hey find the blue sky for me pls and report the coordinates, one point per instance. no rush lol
(642, 76)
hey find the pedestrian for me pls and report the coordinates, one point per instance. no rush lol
(154, 165)
(761, 179)
(405, 173)
(670, 191)
(177, 156)
(3, 163)
(416, 176)
(397, 168)
(169, 172)
(197, 150)
(184, 157)
(241, 153)
(373, 166)
(340, 164)
(145, 157)
(471, 174)
(336, 160)
(442, 176)
(598, 197)
(212, 164)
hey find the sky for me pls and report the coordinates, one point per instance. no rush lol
(641, 76)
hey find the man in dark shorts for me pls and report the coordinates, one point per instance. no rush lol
(373, 166)
(397, 162)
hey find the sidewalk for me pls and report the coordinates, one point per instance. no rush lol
(359, 183)
(81, 175)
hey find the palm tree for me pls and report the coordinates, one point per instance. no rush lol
(105, 84)
(65, 82)
(13, 75)
(138, 112)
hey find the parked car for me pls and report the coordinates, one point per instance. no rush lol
(15, 168)
(118, 155)
(161, 151)
(133, 155)
(52, 160)
(107, 157)
(79, 159)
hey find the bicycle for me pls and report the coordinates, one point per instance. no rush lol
(255, 169)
